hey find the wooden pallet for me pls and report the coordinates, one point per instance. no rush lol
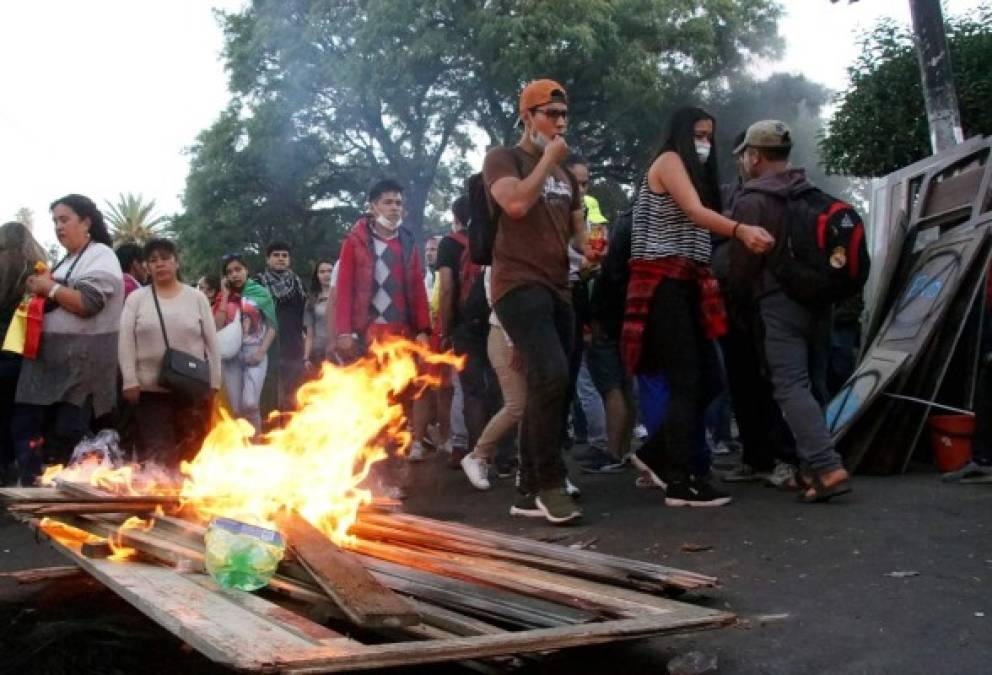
(478, 594)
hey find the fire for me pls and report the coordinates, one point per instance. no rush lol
(67, 535)
(122, 552)
(317, 461)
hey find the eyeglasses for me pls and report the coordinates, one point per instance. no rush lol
(553, 114)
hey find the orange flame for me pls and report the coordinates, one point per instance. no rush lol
(122, 552)
(317, 461)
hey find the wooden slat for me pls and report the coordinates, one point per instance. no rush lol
(360, 596)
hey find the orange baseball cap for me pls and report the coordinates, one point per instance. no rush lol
(540, 92)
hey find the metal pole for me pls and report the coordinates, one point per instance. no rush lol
(941, 100)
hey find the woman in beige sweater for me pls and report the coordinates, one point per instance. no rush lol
(170, 427)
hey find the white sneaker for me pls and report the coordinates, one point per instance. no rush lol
(417, 452)
(640, 432)
(477, 471)
(572, 489)
(780, 475)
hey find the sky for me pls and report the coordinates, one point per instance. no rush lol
(104, 97)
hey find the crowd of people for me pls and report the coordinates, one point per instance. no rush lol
(656, 341)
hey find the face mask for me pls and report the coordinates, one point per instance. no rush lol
(387, 224)
(539, 140)
(703, 150)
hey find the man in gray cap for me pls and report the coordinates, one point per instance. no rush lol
(796, 335)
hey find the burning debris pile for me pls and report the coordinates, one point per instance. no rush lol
(354, 574)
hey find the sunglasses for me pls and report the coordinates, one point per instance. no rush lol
(553, 114)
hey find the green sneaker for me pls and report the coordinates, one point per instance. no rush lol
(525, 506)
(557, 506)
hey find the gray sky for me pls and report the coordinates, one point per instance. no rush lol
(102, 97)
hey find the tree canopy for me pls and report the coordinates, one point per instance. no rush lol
(327, 96)
(132, 219)
(880, 124)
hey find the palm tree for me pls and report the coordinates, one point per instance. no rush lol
(131, 219)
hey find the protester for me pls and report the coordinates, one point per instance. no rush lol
(464, 321)
(132, 260)
(315, 315)
(74, 376)
(796, 336)
(286, 288)
(430, 258)
(380, 293)
(767, 447)
(19, 253)
(243, 375)
(674, 310)
(540, 212)
(209, 285)
(170, 427)
(585, 400)
(505, 422)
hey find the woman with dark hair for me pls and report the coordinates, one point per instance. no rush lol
(74, 376)
(209, 285)
(315, 314)
(19, 253)
(674, 310)
(169, 426)
(244, 374)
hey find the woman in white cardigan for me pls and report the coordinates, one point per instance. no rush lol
(170, 427)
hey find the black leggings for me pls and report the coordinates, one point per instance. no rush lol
(674, 346)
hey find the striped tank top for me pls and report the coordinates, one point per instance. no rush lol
(662, 230)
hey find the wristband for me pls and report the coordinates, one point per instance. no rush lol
(53, 290)
(734, 233)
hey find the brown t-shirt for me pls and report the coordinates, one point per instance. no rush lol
(534, 249)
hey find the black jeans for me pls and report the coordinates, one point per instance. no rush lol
(764, 435)
(480, 389)
(169, 429)
(10, 368)
(540, 326)
(982, 441)
(675, 346)
(46, 434)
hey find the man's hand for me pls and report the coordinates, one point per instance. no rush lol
(131, 395)
(556, 150)
(255, 357)
(345, 346)
(755, 238)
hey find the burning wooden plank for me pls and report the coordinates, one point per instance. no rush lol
(363, 599)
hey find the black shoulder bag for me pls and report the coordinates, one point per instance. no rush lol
(183, 374)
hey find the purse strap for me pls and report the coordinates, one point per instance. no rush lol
(161, 321)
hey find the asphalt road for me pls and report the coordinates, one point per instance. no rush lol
(811, 582)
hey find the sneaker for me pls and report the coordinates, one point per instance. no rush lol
(780, 475)
(640, 432)
(434, 437)
(695, 493)
(477, 471)
(972, 472)
(647, 472)
(572, 489)
(721, 448)
(525, 506)
(417, 452)
(557, 506)
(506, 468)
(744, 474)
(455, 460)
(600, 461)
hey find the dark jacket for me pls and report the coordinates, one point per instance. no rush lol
(609, 289)
(762, 201)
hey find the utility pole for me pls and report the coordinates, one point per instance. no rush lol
(934, 56)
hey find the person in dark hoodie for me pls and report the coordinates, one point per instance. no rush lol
(796, 337)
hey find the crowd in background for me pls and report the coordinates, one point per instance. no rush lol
(659, 341)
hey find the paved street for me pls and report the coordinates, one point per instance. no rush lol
(818, 574)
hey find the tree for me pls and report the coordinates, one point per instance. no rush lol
(132, 219)
(388, 87)
(880, 124)
(25, 217)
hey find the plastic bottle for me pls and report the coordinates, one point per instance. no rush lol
(242, 556)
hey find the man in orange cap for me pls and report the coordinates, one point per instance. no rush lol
(540, 212)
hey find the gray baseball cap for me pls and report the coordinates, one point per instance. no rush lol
(766, 134)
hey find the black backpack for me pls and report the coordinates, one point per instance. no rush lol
(482, 222)
(824, 258)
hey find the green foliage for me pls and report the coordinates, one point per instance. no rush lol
(329, 95)
(880, 124)
(132, 219)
